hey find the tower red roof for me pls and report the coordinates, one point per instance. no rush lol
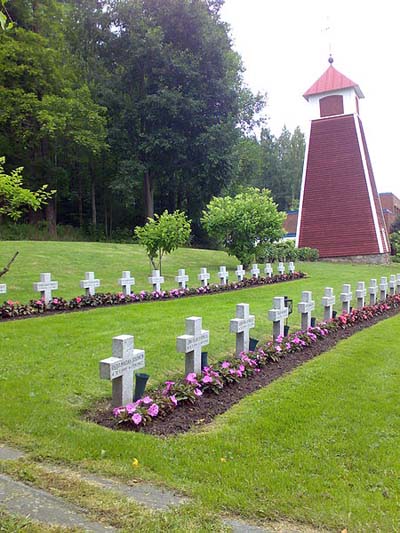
(332, 80)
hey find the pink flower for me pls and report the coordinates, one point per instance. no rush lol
(130, 408)
(153, 410)
(78, 300)
(137, 418)
(225, 364)
(198, 392)
(117, 411)
(55, 300)
(146, 400)
(192, 378)
(241, 368)
(174, 400)
(207, 379)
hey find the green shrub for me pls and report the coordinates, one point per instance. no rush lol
(307, 254)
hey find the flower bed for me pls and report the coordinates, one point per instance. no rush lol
(226, 374)
(10, 309)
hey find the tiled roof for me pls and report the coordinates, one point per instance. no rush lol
(332, 80)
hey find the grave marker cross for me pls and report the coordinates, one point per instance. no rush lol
(268, 270)
(45, 286)
(191, 344)
(305, 307)
(278, 315)
(126, 282)
(223, 275)
(182, 278)
(203, 277)
(361, 293)
(281, 268)
(328, 301)
(383, 287)
(155, 279)
(240, 272)
(392, 285)
(241, 325)
(398, 283)
(90, 284)
(291, 268)
(373, 291)
(345, 297)
(120, 368)
(255, 271)
(3, 288)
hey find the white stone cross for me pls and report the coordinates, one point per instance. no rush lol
(90, 284)
(281, 268)
(392, 284)
(223, 275)
(126, 282)
(291, 268)
(255, 271)
(240, 272)
(120, 368)
(182, 278)
(373, 291)
(361, 293)
(3, 288)
(398, 283)
(305, 307)
(241, 325)
(203, 277)
(328, 301)
(268, 270)
(278, 314)
(191, 344)
(345, 297)
(383, 287)
(155, 279)
(45, 286)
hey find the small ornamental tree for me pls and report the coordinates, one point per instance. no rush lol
(163, 234)
(14, 198)
(244, 223)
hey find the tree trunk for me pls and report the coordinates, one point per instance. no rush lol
(51, 217)
(80, 201)
(148, 196)
(94, 211)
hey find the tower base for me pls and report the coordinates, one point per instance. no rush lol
(373, 259)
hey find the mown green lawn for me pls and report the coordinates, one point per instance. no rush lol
(319, 446)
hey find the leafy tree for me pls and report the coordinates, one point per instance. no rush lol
(163, 234)
(395, 227)
(244, 223)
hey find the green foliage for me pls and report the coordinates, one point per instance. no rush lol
(14, 198)
(163, 234)
(395, 243)
(244, 223)
(307, 254)
(285, 251)
(395, 227)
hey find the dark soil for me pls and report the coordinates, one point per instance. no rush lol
(187, 416)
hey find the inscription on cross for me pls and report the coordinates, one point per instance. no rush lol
(281, 268)
(241, 325)
(278, 315)
(182, 278)
(392, 285)
(223, 275)
(373, 291)
(155, 279)
(203, 277)
(240, 272)
(126, 282)
(305, 307)
(255, 271)
(3, 288)
(45, 286)
(268, 270)
(120, 368)
(90, 284)
(361, 293)
(383, 288)
(345, 297)
(191, 343)
(328, 301)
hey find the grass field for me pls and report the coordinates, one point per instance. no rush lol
(318, 446)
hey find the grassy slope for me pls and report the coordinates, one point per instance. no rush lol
(292, 449)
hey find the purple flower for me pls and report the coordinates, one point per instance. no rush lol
(117, 411)
(192, 378)
(207, 379)
(130, 408)
(174, 400)
(225, 364)
(146, 400)
(198, 392)
(153, 410)
(137, 418)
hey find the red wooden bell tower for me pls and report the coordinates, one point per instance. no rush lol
(340, 211)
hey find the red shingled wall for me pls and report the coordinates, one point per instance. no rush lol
(336, 213)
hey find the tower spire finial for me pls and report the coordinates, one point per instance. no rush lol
(330, 59)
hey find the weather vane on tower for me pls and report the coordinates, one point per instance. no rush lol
(328, 31)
